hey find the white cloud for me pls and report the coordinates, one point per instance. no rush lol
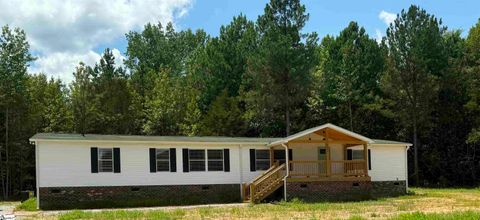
(64, 32)
(387, 17)
(62, 64)
(119, 58)
(378, 35)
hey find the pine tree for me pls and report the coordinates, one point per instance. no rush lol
(280, 70)
(347, 79)
(416, 60)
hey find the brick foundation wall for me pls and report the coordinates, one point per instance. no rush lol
(328, 191)
(344, 190)
(136, 196)
(388, 188)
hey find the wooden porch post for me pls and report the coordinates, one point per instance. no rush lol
(272, 160)
(327, 148)
(365, 158)
(287, 156)
(345, 165)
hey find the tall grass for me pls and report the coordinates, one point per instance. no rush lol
(28, 205)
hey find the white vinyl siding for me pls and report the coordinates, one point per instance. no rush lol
(246, 174)
(388, 163)
(67, 163)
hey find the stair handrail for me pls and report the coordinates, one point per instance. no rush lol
(275, 165)
(264, 177)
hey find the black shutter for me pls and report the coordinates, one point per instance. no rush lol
(252, 160)
(185, 160)
(226, 160)
(369, 160)
(116, 160)
(94, 159)
(290, 157)
(173, 160)
(349, 154)
(153, 160)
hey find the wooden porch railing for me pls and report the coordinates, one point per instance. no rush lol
(324, 168)
(267, 183)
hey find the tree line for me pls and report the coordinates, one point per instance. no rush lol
(267, 78)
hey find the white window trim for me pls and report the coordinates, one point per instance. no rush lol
(99, 159)
(156, 160)
(268, 160)
(223, 161)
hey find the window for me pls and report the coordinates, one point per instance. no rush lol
(163, 159)
(357, 154)
(279, 155)
(215, 160)
(105, 159)
(197, 160)
(262, 159)
(322, 153)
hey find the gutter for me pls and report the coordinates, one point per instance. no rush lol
(156, 142)
(287, 173)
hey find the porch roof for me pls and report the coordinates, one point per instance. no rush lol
(341, 133)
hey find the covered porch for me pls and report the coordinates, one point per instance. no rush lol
(323, 153)
(327, 153)
(327, 162)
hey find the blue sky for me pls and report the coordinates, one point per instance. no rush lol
(330, 17)
(64, 33)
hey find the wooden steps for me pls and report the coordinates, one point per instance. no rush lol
(266, 184)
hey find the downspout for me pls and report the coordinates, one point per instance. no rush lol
(287, 173)
(406, 168)
(37, 173)
(240, 165)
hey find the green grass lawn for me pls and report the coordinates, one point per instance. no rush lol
(421, 204)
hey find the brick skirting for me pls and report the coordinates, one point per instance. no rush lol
(344, 190)
(136, 196)
(388, 188)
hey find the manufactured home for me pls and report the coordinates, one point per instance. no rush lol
(322, 163)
